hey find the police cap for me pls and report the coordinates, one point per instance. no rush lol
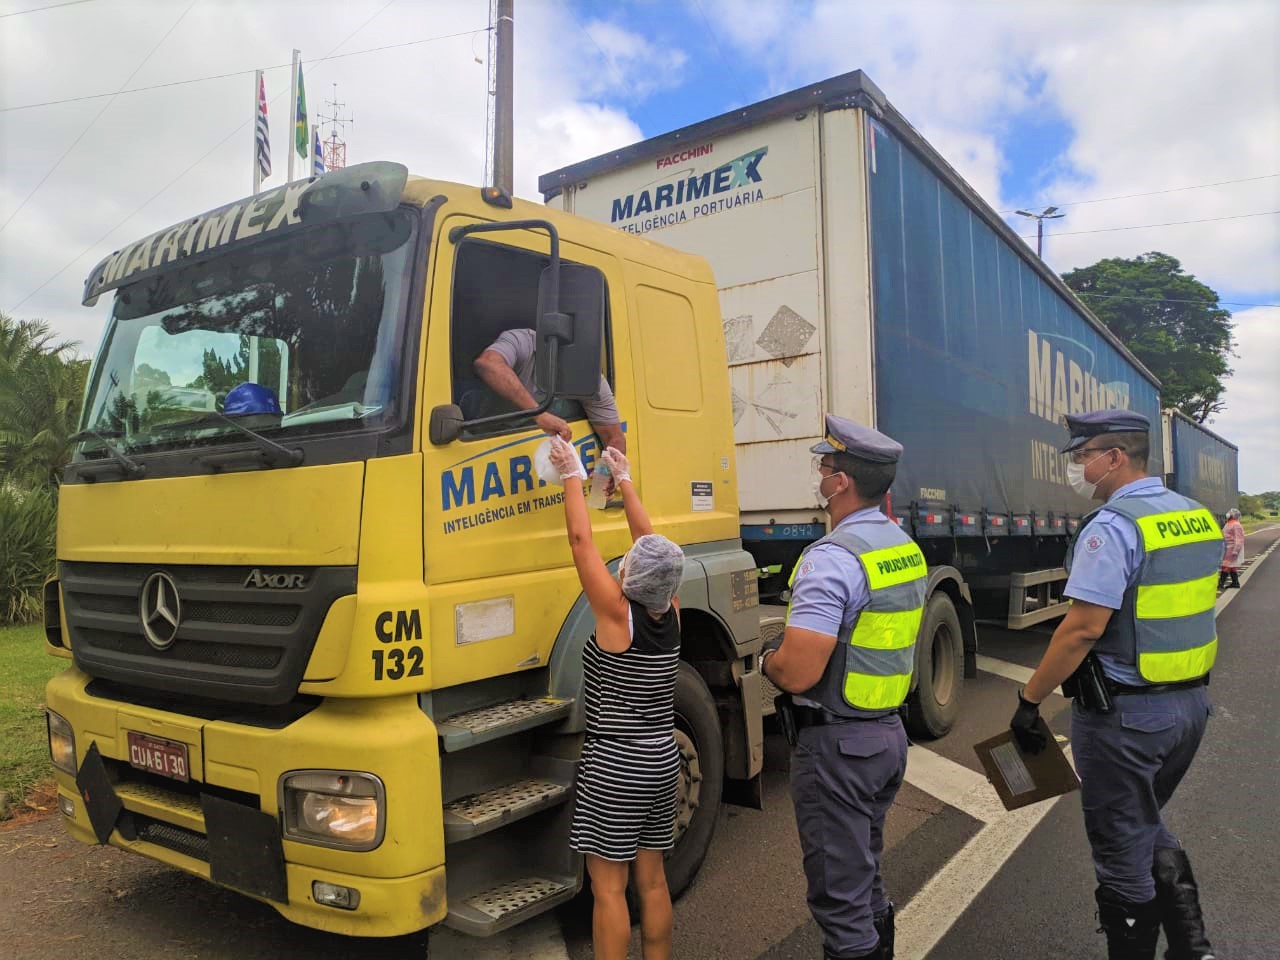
(1097, 422)
(845, 436)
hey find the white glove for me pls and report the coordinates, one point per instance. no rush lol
(565, 459)
(616, 461)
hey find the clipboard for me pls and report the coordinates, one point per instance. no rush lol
(1021, 778)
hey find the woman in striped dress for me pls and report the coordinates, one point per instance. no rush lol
(625, 809)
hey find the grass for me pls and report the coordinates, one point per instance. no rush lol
(24, 670)
(1251, 524)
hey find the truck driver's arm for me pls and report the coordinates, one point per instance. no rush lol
(493, 368)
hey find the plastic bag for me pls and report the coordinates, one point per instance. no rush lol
(543, 466)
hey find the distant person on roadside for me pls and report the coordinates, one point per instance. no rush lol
(624, 813)
(1233, 534)
(506, 369)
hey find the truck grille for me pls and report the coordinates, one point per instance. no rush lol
(233, 642)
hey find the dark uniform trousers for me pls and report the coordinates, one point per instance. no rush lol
(1130, 762)
(844, 777)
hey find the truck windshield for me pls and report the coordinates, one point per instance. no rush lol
(298, 336)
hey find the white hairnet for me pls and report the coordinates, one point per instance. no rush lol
(1233, 514)
(652, 571)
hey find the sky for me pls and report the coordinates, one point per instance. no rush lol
(1034, 102)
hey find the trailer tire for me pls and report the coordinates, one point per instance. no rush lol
(701, 777)
(934, 705)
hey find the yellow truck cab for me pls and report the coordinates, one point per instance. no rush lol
(323, 625)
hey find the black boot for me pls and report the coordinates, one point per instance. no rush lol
(1222, 579)
(1235, 579)
(884, 927)
(1179, 899)
(1132, 929)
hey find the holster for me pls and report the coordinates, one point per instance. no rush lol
(785, 712)
(1089, 685)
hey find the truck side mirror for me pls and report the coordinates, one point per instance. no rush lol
(572, 317)
(445, 425)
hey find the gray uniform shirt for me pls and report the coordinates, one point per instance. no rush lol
(516, 347)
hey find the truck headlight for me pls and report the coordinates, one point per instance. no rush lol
(333, 808)
(62, 743)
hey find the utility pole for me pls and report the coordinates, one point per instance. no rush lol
(1049, 213)
(503, 105)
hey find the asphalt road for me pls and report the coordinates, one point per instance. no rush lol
(1041, 906)
(62, 900)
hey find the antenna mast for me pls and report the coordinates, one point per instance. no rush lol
(335, 146)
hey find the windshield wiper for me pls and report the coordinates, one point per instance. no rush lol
(133, 470)
(269, 452)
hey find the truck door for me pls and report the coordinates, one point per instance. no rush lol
(496, 555)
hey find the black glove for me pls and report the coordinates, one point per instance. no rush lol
(1026, 726)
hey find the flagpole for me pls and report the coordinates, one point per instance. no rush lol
(257, 170)
(293, 109)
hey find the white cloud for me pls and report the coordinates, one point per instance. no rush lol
(423, 105)
(1251, 419)
(1156, 95)
(629, 64)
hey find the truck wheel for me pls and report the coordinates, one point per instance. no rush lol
(934, 705)
(701, 777)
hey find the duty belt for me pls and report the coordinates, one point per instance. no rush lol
(1148, 689)
(815, 717)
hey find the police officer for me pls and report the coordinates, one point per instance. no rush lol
(1143, 578)
(845, 662)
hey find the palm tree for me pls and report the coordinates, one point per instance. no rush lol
(41, 392)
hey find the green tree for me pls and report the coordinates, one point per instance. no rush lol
(1169, 319)
(41, 391)
(1252, 505)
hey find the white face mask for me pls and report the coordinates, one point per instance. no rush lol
(1075, 477)
(823, 500)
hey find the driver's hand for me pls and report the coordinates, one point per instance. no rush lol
(553, 425)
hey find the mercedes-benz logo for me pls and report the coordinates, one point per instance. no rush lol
(160, 610)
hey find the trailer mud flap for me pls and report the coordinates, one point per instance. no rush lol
(100, 800)
(245, 851)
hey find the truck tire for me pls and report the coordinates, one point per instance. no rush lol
(701, 777)
(935, 703)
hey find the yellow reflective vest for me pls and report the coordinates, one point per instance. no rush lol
(869, 672)
(1166, 623)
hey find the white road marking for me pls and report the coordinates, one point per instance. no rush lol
(955, 785)
(539, 939)
(1003, 668)
(927, 917)
(1010, 671)
(1274, 526)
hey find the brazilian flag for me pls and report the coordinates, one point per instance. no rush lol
(300, 127)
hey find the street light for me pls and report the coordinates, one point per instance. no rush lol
(1049, 213)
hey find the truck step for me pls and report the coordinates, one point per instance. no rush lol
(500, 720)
(497, 908)
(479, 813)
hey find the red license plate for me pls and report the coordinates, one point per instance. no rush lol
(168, 758)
